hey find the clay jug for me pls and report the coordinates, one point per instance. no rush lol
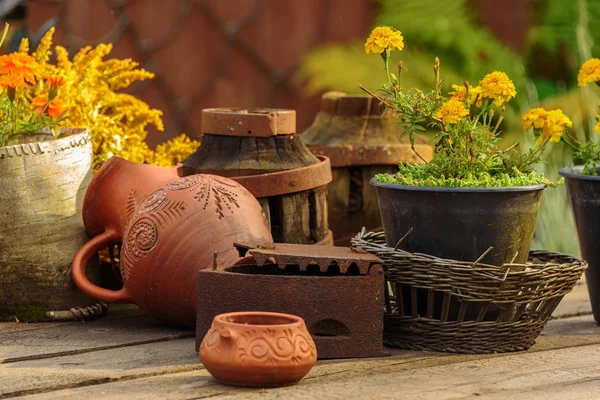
(258, 349)
(170, 228)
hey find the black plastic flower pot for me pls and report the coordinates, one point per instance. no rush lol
(461, 223)
(584, 194)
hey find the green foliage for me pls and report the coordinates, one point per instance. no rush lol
(342, 66)
(448, 29)
(18, 118)
(564, 25)
(467, 141)
(588, 155)
(422, 175)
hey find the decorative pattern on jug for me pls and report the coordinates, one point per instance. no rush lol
(272, 347)
(189, 182)
(161, 209)
(216, 191)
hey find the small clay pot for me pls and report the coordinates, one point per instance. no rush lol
(258, 349)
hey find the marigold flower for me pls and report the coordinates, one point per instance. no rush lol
(474, 94)
(39, 103)
(56, 107)
(589, 72)
(597, 128)
(498, 87)
(55, 80)
(12, 81)
(451, 111)
(382, 38)
(555, 125)
(19, 65)
(536, 118)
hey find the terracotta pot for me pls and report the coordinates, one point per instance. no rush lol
(258, 349)
(167, 236)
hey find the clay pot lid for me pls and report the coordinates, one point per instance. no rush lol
(258, 318)
(263, 122)
(342, 104)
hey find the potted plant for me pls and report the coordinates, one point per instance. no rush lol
(45, 168)
(583, 188)
(474, 194)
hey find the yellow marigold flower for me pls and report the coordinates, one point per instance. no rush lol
(555, 125)
(19, 65)
(12, 81)
(589, 72)
(474, 94)
(382, 38)
(451, 111)
(498, 87)
(39, 103)
(56, 80)
(56, 108)
(535, 118)
(597, 128)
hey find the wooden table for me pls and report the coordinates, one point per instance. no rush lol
(133, 357)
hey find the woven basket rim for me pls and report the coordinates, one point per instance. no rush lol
(363, 236)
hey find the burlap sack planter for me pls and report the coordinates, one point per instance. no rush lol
(42, 184)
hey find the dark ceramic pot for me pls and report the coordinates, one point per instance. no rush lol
(461, 223)
(584, 194)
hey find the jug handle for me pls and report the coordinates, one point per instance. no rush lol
(81, 261)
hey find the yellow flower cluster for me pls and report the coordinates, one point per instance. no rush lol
(498, 87)
(384, 38)
(174, 151)
(552, 123)
(117, 121)
(460, 92)
(451, 111)
(589, 72)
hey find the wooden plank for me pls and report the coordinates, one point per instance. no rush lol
(577, 302)
(563, 373)
(146, 371)
(318, 213)
(294, 218)
(557, 373)
(572, 327)
(91, 368)
(78, 337)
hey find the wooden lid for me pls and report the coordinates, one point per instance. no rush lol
(339, 103)
(263, 122)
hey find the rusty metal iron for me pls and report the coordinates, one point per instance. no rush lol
(305, 255)
(289, 181)
(342, 305)
(244, 122)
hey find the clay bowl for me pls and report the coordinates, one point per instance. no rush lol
(258, 349)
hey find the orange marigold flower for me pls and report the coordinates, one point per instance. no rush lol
(12, 81)
(39, 103)
(56, 108)
(19, 65)
(56, 80)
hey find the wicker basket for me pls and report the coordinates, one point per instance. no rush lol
(467, 307)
